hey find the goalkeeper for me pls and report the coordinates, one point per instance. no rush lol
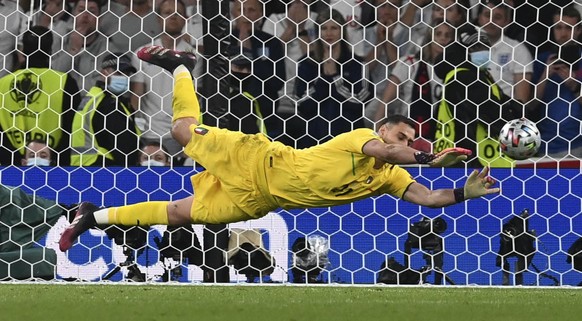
(247, 176)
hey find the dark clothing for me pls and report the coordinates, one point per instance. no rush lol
(472, 102)
(268, 67)
(114, 129)
(332, 104)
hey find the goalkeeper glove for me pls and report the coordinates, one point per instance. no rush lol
(445, 158)
(477, 185)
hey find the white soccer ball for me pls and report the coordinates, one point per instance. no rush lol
(520, 139)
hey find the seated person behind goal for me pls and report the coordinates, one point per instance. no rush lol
(37, 153)
(270, 175)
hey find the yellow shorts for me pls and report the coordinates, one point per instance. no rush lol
(229, 190)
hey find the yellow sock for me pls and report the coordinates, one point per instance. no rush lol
(143, 214)
(185, 102)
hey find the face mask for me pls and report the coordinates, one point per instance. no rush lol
(37, 161)
(118, 84)
(480, 58)
(151, 163)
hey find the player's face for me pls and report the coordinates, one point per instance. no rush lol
(401, 134)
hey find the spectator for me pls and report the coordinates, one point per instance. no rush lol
(412, 87)
(351, 11)
(565, 28)
(37, 154)
(295, 29)
(473, 108)
(561, 105)
(138, 26)
(56, 16)
(83, 48)
(331, 85)
(268, 63)
(454, 12)
(511, 62)
(557, 76)
(386, 35)
(530, 25)
(13, 23)
(245, 112)
(152, 87)
(36, 102)
(153, 154)
(194, 25)
(104, 131)
(110, 20)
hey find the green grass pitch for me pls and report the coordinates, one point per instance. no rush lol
(106, 302)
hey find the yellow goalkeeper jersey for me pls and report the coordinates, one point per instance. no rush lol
(333, 173)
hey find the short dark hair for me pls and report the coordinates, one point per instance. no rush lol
(571, 11)
(396, 119)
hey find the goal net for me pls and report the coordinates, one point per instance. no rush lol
(300, 72)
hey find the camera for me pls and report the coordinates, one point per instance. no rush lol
(575, 256)
(516, 240)
(424, 234)
(133, 240)
(179, 244)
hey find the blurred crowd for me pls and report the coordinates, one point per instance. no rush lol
(73, 93)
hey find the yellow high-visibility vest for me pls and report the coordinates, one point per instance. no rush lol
(31, 105)
(85, 148)
(488, 152)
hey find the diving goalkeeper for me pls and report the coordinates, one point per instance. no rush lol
(247, 176)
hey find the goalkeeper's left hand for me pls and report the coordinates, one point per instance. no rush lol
(449, 157)
(479, 184)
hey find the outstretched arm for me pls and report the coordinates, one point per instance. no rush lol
(478, 184)
(402, 155)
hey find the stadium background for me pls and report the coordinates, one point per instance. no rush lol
(361, 236)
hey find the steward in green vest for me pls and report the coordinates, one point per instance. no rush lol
(473, 108)
(36, 103)
(104, 130)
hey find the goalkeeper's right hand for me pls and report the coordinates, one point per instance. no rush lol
(479, 184)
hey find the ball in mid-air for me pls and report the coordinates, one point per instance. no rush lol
(520, 139)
